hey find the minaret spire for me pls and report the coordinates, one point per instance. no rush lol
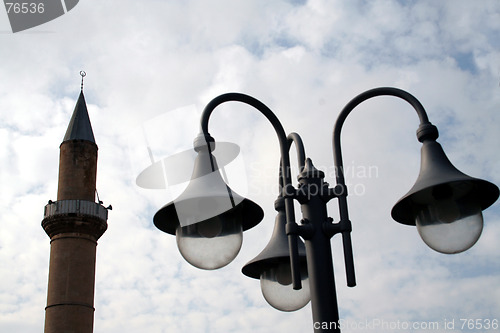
(74, 223)
(79, 127)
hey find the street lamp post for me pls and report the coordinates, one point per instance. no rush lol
(444, 204)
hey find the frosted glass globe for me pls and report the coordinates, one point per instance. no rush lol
(450, 227)
(276, 285)
(210, 244)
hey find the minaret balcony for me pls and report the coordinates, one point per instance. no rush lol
(75, 207)
(75, 216)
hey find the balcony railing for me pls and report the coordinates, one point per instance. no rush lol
(78, 207)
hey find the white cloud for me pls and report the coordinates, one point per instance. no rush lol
(146, 61)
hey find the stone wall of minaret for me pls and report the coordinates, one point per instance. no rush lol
(77, 170)
(74, 223)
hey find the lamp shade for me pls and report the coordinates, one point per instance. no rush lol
(206, 196)
(208, 217)
(272, 267)
(445, 203)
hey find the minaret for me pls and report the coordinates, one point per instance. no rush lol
(74, 223)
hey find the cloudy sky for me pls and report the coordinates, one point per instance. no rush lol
(151, 68)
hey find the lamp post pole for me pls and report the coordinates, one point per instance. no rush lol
(313, 194)
(438, 186)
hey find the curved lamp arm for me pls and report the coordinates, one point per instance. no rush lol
(299, 145)
(285, 164)
(301, 154)
(426, 131)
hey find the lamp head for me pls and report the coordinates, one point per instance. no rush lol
(445, 204)
(272, 267)
(208, 218)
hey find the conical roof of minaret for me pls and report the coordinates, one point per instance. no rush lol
(79, 127)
